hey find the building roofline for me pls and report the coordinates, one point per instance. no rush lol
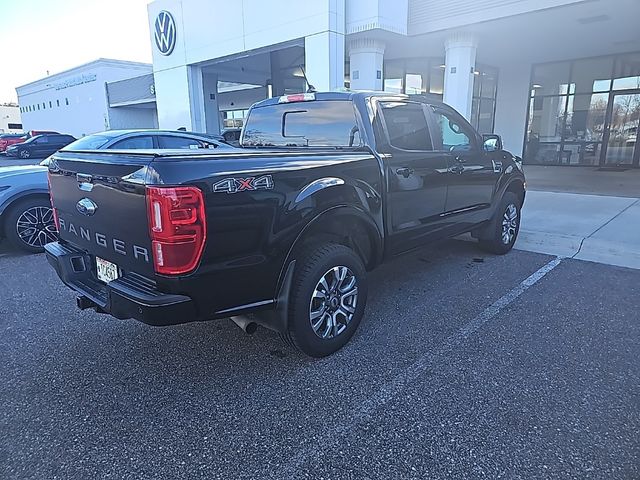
(94, 63)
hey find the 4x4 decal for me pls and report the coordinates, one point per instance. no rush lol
(235, 185)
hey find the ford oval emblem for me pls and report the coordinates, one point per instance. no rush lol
(86, 206)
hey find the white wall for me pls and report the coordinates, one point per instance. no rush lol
(241, 99)
(511, 105)
(9, 115)
(83, 88)
(132, 117)
(434, 15)
(208, 30)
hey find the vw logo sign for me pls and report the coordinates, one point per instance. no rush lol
(86, 207)
(165, 32)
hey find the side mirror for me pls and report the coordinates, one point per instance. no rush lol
(491, 143)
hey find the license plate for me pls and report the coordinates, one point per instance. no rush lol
(107, 271)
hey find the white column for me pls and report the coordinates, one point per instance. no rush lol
(173, 98)
(366, 57)
(511, 104)
(210, 95)
(324, 60)
(459, 74)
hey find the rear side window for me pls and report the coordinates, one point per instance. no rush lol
(90, 142)
(330, 123)
(406, 125)
(134, 143)
(169, 142)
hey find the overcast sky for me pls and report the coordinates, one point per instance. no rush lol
(54, 35)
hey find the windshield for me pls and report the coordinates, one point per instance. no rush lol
(330, 123)
(90, 142)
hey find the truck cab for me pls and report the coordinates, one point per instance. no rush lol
(282, 231)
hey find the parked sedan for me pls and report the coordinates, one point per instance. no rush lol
(26, 218)
(7, 139)
(40, 146)
(147, 140)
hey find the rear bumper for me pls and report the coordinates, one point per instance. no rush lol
(131, 296)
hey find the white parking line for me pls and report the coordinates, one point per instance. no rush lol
(394, 387)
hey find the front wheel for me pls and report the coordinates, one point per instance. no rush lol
(25, 153)
(501, 234)
(29, 224)
(328, 297)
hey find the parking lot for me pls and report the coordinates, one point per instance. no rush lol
(465, 366)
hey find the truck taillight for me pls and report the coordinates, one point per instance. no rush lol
(53, 208)
(178, 228)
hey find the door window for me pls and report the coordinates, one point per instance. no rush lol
(170, 142)
(406, 125)
(134, 143)
(454, 135)
(41, 140)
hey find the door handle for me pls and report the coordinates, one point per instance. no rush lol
(405, 172)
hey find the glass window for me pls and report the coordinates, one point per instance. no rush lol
(134, 143)
(170, 142)
(42, 139)
(329, 123)
(546, 118)
(57, 103)
(406, 125)
(586, 115)
(416, 78)
(486, 116)
(90, 142)
(393, 76)
(67, 101)
(436, 78)
(453, 135)
(592, 75)
(627, 72)
(551, 79)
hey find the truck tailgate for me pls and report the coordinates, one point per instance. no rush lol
(100, 202)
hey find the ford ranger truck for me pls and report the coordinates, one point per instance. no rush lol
(282, 231)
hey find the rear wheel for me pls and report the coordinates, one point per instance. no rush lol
(328, 297)
(29, 224)
(501, 234)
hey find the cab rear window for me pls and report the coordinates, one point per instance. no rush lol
(329, 123)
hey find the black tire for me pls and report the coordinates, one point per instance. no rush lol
(313, 264)
(493, 239)
(17, 210)
(24, 153)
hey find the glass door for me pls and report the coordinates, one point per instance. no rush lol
(621, 147)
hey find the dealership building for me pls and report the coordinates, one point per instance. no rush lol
(558, 79)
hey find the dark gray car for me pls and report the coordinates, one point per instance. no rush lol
(26, 217)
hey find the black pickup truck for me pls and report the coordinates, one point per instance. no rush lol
(282, 231)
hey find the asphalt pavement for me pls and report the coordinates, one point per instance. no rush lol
(466, 365)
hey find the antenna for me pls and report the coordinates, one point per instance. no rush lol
(310, 88)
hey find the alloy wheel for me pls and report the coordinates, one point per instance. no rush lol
(36, 227)
(25, 154)
(333, 303)
(509, 224)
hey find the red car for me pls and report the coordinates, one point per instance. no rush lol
(7, 139)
